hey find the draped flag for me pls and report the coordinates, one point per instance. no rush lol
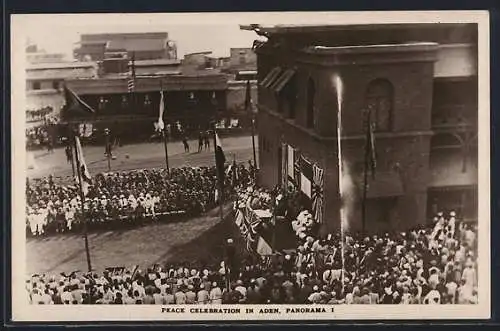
(220, 160)
(160, 125)
(74, 104)
(371, 148)
(296, 168)
(131, 80)
(317, 193)
(84, 172)
(239, 218)
(263, 248)
(306, 177)
(290, 163)
(284, 166)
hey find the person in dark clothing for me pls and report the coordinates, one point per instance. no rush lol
(200, 142)
(186, 144)
(69, 154)
(206, 138)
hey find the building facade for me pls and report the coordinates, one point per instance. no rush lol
(417, 84)
(242, 58)
(192, 102)
(44, 83)
(144, 46)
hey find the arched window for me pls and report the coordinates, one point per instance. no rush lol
(311, 91)
(379, 100)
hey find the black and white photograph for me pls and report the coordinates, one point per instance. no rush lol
(250, 166)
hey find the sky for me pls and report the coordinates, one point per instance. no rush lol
(195, 32)
(217, 38)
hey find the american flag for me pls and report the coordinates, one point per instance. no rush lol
(131, 80)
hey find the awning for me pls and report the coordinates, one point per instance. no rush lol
(283, 80)
(385, 184)
(447, 170)
(271, 77)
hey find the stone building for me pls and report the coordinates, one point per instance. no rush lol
(145, 46)
(44, 82)
(418, 82)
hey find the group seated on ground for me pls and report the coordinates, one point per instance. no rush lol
(126, 198)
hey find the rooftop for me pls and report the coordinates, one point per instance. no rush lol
(369, 48)
(60, 65)
(199, 53)
(134, 35)
(303, 28)
(157, 62)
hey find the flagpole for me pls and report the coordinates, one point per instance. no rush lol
(365, 172)
(248, 105)
(219, 179)
(253, 143)
(164, 130)
(274, 223)
(82, 197)
(221, 213)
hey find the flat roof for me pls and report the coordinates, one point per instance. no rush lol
(369, 48)
(157, 62)
(198, 53)
(99, 36)
(60, 65)
(305, 28)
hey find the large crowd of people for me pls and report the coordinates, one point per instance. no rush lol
(433, 264)
(123, 198)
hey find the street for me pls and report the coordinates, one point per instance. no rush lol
(140, 156)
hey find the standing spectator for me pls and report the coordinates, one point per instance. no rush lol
(200, 142)
(185, 143)
(206, 138)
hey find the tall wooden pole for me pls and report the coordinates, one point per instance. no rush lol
(82, 197)
(164, 130)
(220, 184)
(108, 148)
(365, 171)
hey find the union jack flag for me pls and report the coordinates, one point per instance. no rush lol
(317, 193)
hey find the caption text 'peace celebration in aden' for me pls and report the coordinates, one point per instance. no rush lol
(313, 164)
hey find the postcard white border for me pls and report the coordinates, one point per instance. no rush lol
(22, 311)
